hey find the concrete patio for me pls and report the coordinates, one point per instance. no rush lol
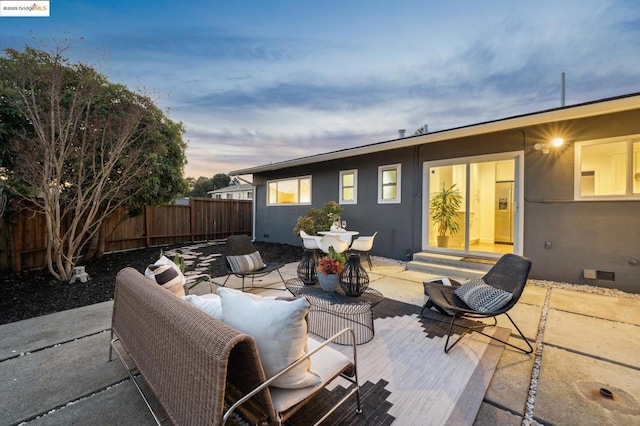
(54, 371)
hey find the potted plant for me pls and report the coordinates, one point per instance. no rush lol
(318, 219)
(443, 211)
(329, 269)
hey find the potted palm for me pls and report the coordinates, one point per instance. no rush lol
(443, 211)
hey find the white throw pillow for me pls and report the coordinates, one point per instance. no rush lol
(279, 329)
(172, 279)
(211, 304)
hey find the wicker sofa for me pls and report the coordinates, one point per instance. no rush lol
(201, 370)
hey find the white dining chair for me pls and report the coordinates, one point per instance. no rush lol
(310, 242)
(339, 245)
(364, 245)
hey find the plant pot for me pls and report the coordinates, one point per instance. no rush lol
(443, 241)
(329, 282)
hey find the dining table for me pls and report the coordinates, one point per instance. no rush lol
(343, 234)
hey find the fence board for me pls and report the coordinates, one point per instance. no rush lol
(202, 219)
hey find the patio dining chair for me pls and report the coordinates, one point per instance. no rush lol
(243, 260)
(338, 244)
(506, 279)
(364, 245)
(310, 242)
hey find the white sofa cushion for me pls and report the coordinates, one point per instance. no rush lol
(209, 303)
(279, 329)
(327, 362)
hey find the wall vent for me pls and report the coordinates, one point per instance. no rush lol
(605, 275)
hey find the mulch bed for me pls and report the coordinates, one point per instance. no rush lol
(36, 292)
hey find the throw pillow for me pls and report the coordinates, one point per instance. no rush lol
(210, 304)
(279, 330)
(166, 273)
(246, 263)
(482, 297)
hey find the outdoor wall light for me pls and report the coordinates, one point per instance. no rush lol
(544, 147)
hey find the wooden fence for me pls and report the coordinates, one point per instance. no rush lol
(202, 219)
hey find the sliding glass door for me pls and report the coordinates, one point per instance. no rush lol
(484, 217)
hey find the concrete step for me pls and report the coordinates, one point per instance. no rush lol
(461, 268)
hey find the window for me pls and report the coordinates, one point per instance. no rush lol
(389, 183)
(229, 196)
(217, 196)
(289, 191)
(249, 195)
(608, 169)
(349, 187)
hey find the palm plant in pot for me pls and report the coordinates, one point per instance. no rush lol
(329, 269)
(443, 211)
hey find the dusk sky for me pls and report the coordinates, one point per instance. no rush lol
(256, 82)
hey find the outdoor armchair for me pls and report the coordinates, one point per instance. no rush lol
(242, 259)
(509, 274)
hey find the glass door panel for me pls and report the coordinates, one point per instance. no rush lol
(485, 221)
(446, 182)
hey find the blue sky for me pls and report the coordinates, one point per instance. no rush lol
(256, 82)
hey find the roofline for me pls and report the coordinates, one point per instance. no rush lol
(587, 109)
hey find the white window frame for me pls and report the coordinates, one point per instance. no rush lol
(354, 172)
(398, 168)
(629, 195)
(295, 178)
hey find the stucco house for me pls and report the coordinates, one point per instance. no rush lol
(242, 191)
(573, 209)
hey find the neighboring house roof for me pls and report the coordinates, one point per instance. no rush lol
(587, 109)
(233, 188)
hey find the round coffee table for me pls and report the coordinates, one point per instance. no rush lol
(332, 311)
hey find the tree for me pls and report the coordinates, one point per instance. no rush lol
(220, 180)
(90, 146)
(204, 184)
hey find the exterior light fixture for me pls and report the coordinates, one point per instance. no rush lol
(544, 147)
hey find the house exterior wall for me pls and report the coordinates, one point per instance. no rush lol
(600, 235)
(394, 222)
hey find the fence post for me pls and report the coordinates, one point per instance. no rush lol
(192, 218)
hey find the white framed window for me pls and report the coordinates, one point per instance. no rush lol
(348, 187)
(229, 196)
(389, 183)
(607, 169)
(289, 191)
(249, 195)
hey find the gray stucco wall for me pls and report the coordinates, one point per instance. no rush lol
(584, 234)
(601, 235)
(395, 223)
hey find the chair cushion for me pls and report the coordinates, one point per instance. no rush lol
(279, 329)
(210, 303)
(166, 273)
(482, 297)
(246, 263)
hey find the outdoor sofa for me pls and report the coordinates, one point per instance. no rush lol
(198, 366)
